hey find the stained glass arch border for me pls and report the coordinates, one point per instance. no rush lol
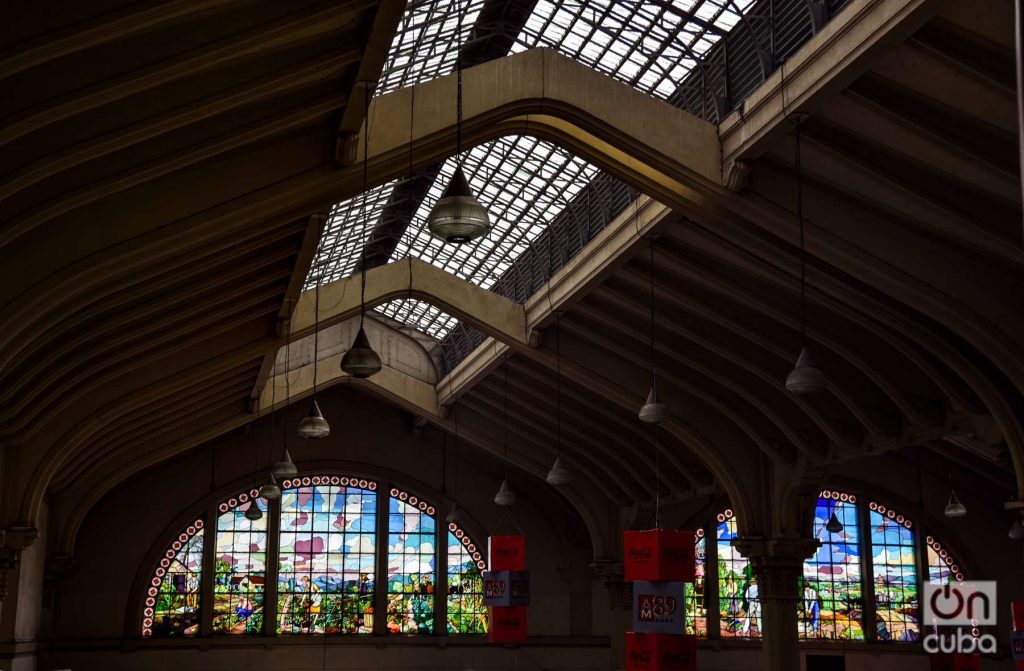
(708, 599)
(206, 521)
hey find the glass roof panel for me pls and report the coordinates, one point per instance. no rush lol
(524, 183)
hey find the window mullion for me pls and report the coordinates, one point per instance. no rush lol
(273, 565)
(867, 570)
(380, 583)
(441, 573)
(209, 566)
(921, 563)
(711, 601)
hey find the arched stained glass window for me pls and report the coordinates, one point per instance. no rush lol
(868, 552)
(240, 566)
(411, 564)
(894, 574)
(335, 540)
(739, 602)
(696, 613)
(327, 556)
(833, 600)
(171, 607)
(467, 613)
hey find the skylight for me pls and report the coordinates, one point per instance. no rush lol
(523, 182)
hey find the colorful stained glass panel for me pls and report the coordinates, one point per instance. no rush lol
(696, 612)
(894, 575)
(411, 570)
(327, 556)
(172, 598)
(832, 603)
(467, 613)
(240, 566)
(739, 601)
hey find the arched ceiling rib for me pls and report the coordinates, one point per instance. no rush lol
(883, 285)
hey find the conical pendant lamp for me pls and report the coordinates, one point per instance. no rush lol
(458, 216)
(954, 508)
(806, 378)
(652, 411)
(559, 475)
(253, 512)
(454, 515)
(270, 491)
(360, 361)
(284, 468)
(1017, 531)
(505, 495)
(313, 425)
(833, 526)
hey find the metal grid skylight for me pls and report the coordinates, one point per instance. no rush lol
(651, 44)
(427, 42)
(524, 183)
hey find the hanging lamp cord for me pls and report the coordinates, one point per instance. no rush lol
(455, 476)
(505, 367)
(803, 253)
(458, 95)
(654, 374)
(287, 379)
(558, 381)
(657, 480)
(316, 331)
(366, 181)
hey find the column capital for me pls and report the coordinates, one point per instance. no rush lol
(620, 592)
(777, 562)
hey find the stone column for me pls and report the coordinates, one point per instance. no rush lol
(778, 564)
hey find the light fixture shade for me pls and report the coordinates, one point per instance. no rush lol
(559, 475)
(455, 514)
(833, 526)
(270, 491)
(652, 412)
(284, 468)
(360, 360)
(313, 425)
(806, 378)
(253, 512)
(1017, 531)
(505, 495)
(458, 216)
(954, 508)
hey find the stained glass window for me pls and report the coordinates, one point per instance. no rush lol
(832, 603)
(696, 613)
(411, 569)
(240, 566)
(467, 613)
(894, 575)
(172, 598)
(327, 556)
(739, 603)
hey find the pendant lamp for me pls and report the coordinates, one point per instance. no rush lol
(360, 361)
(285, 468)
(833, 526)
(1017, 531)
(505, 495)
(806, 378)
(253, 512)
(454, 515)
(313, 425)
(270, 491)
(954, 508)
(458, 217)
(652, 411)
(559, 475)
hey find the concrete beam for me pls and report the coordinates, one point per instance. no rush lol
(829, 62)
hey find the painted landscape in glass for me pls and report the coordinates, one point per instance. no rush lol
(894, 575)
(240, 567)
(411, 571)
(467, 613)
(832, 605)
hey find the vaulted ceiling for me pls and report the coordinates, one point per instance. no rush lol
(161, 210)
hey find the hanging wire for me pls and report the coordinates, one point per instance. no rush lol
(657, 480)
(505, 368)
(366, 180)
(654, 374)
(316, 327)
(287, 377)
(558, 381)
(458, 94)
(803, 253)
(412, 128)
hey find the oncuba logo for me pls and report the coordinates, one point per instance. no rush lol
(960, 605)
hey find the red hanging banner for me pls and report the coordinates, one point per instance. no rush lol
(506, 553)
(660, 652)
(659, 555)
(508, 624)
